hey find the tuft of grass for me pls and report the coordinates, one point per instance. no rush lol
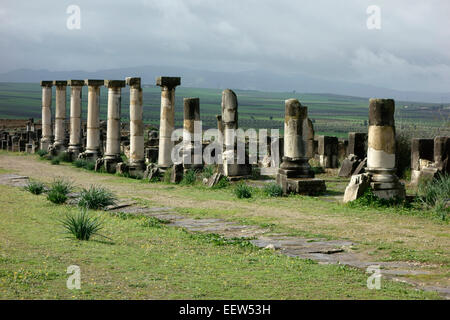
(153, 222)
(41, 153)
(370, 200)
(189, 177)
(222, 183)
(56, 197)
(96, 197)
(166, 176)
(318, 170)
(435, 194)
(35, 187)
(54, 161)
(208, 171)
(219, 240)
(242, 191)
(273, 190)
(81, 225)
(59, 190)
(85, 164)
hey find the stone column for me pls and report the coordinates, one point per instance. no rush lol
(112, 153)
(191, 115)
(46, 139)
(76, 87)
(381, 150)
(60, 115)
(93, 119)
(295, 174)
(137, 156)
(220, 129)
(167, 120)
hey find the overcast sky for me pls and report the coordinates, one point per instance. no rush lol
(324, 38)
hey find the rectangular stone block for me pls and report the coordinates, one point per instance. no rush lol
(442, 153)
(421, 149)
(307, 186)
(357, 144)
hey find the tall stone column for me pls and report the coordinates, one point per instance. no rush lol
(295, 174)
(60, 115)
(76, 87)
(137, 156)
(190, 145)
(167, 120)
(112, 153)
(381, 165)
(220, 128)
(46, 139)
(93, 119)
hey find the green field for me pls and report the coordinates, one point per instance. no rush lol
(331, 114)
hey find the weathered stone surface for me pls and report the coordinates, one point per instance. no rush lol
(442, 154)
(421, 149)
(356, 188)
(306, 186)
(328, 151)
(348, 166)
(361, 167)
(381, 112)
(121, 168)
(169, 82)
(177, 173)
(357, 144)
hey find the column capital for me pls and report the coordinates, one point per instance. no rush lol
(169, 82)
(46, 83)
(74, 83)
(114, 83)
(60, 83)
(94, 82)
(133, 82)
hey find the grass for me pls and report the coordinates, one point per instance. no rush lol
(81, 225)
(146, 262)
(436, 194)
(96, 197)
(369, 199)
(59, 189)
(242, 190)
(208, 171)
(273, 190)
(35, 187)
(85, 164)
(189, 177)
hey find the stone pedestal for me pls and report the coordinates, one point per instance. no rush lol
(328, 151)
(76, 87)
(295, 174)
(192, 144)
(112, 152)
(167, 120)
(421, 149)
(93, 120)
(234, 166)
(46, 139)
(136, 165)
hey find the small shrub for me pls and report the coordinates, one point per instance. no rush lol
(79, 163)
(189, 177)
(166, 176)
(222, 183)
(241, 190)
(208, 171)
(81, 225)
(96, 197)
(64, 157)
(318, 170)
(256, 173)
(41, 153)
(56, 197)
(435, 194)
(153, 222)
(273, 190)
(35, 187)
(369, 199)
(54, 161)
(89, 165)
(61, 185)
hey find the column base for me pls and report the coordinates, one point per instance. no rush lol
(90, 155)
(306, 186)
(296, 168)
(385, 184)
(45, 145)
(137, 169)
(108, 162)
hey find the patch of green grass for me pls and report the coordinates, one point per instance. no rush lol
(81, 225)
(96, 197)
(222, 183)
(41, 153)
(56, 197)
(153, 222)
(54, 161)
(435, 194)
(35, 187)
(219, 240)
(59, 189)
(166, 175)
(208, 171)
(159, 263)
(369, 199)
(242, 190)
(273, 190)
(189, 177)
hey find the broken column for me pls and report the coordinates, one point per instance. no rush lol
(167, 120)
(422, 155)
(46, 139)
(60, 115)
(93, 119)
(137, 156)
(295, 174)
(76, 87)
(235, 166)
(442, 154)
(192, 145)
(308, 134)
(112, 152)
(381, 166)
(328, 151)
(356, 159)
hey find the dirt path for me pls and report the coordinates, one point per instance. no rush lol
(413, 232)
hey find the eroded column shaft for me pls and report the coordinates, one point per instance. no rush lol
(93, 120)
(46, 114)
(113, 123)
(75, 115)
(295, 114)
(60, 114)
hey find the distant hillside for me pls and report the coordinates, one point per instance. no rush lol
(251, 80)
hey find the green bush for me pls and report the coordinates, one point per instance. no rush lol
(273, 190)
(208, 171)
(222, 183)
(59, 189)
(54, 161)
(189, 177)
(318, 170)
(369, 199)
(81, 225)
(35, 187)
(435, 194)
(79, 163)
(64, 157)
(167, 174)
(56, 197)
(41, 153)
(96, 197)
(241, 190)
